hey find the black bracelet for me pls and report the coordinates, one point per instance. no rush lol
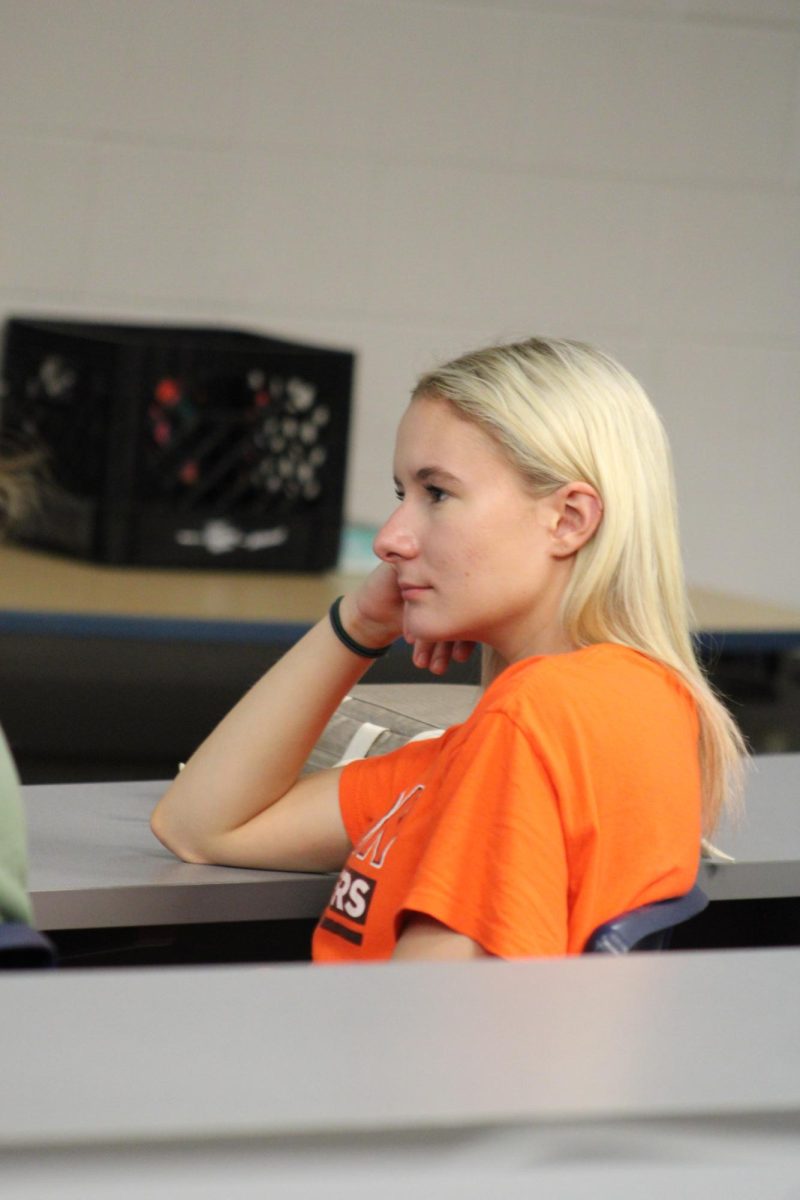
(344, 636)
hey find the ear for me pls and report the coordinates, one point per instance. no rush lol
(577, 511)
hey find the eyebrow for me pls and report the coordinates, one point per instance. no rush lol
(426, 473)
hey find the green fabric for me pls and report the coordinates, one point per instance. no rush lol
(15, 904)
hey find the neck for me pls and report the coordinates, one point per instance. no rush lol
(546, 641)
(540, 631)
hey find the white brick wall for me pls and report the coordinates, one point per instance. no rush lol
(411, 178)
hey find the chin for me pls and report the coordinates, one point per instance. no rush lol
(420, 632)
(433, 627)
(430, 633)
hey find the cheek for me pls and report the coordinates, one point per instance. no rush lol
(473, 546)
(460, 557)
(486, 546)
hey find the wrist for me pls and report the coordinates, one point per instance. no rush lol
(367, 638)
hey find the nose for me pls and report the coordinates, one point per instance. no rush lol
(395, 540)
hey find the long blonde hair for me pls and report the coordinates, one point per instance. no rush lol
(564, 411)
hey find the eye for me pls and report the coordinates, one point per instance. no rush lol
(436, 494)
(399, 493)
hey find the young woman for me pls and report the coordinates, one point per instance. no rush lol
(536, 517)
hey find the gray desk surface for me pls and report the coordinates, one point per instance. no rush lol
(232, 1053)
(94, 862)
(766, 840)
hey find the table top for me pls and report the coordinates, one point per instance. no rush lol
(131, 1054)
(765, 840)
(36, 584)
(94, 862)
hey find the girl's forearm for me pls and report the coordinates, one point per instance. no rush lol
(254, 756)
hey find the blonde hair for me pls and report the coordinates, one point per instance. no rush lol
(564, 411)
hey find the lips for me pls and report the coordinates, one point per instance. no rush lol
(410, 591)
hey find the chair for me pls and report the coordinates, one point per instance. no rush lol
(24, 948)
(647, 928)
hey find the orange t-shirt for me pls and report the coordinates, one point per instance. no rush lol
(570, 795)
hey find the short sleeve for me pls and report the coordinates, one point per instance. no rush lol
(495, 865)
(367, 786)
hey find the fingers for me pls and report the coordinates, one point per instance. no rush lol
(436, 656)
(377, 601)
(425, 653)
(462, 650)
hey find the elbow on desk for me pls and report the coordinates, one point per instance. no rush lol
(177, 845)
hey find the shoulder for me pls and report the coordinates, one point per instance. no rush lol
(596, 679)
(558, 673)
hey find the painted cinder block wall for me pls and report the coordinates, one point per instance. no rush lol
(410, 178)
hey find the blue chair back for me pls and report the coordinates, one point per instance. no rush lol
(647, 928)
(23, 948)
